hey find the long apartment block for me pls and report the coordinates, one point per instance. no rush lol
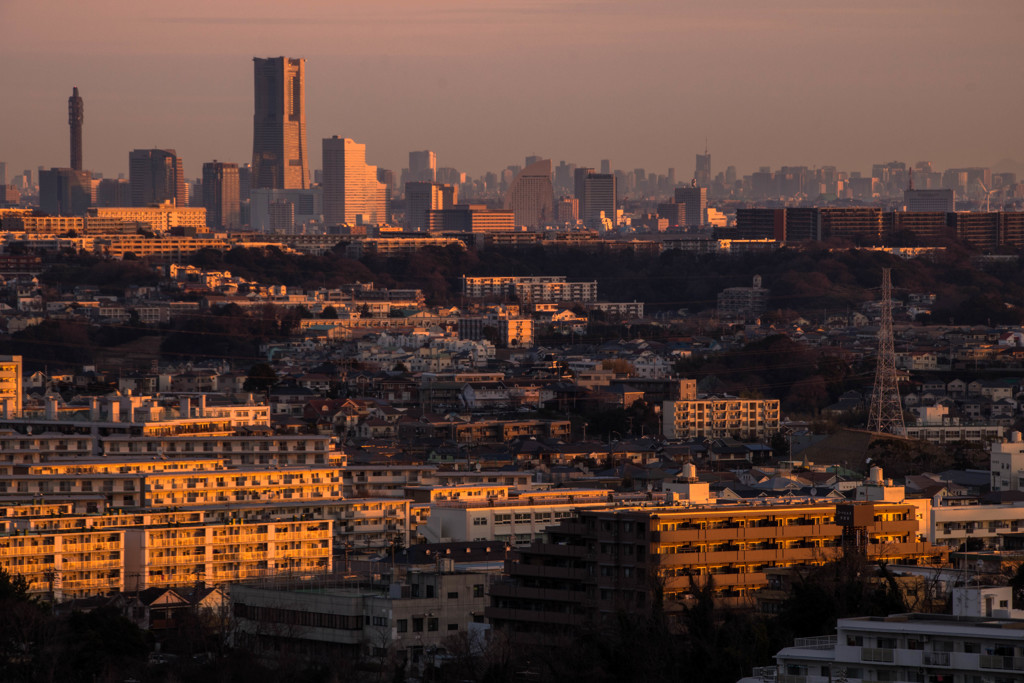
(608, 560)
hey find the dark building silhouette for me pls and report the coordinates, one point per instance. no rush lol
(113, 192)
(156, 176)
(531, 195)
(696, 200)
(76, 115)
(599, 200)
(579, 181)
(65, 191)
(220, 195)
(279, 159)
(702, 171)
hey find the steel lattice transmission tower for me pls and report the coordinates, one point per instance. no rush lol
(886, 413)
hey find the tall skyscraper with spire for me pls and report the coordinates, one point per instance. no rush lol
(279, 159)
(76, 115)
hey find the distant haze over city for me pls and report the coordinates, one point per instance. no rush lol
(640, 83)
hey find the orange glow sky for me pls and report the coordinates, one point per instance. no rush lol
(801, 82)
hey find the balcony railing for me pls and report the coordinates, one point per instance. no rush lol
(1002, 662)
(876, 654)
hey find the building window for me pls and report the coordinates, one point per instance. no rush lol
(453, 595)
(403, 625)
(453, 627)
(417, 624)
(478, 590)
(432, 624)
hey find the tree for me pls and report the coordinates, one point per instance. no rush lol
(329, 313)
(261, 377)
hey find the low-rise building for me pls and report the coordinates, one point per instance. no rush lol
(722, 416)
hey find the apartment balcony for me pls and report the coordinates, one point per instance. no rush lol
(877, 654)
(90, 565)
(537, 616)
(1001, 663)
(748, 533)
(515, 591)
(760, 556)
(540, 571)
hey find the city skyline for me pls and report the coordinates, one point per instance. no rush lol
(642, 85)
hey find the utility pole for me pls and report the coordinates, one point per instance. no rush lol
(886, 414)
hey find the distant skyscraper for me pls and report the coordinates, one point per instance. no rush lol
(422, 167)
(696, 200)
(606, 166)
(244, 182)
(156, 176)
(530, 197)
(564, 177)
(422, 198)
(579, 179)
(446, 175)
(568, 211)
(386, 177)
(76, 115)
(279, 159)
(702, 173)
(220, 195)
(352, 193)
(599, 198)
(65, 191)
(113, 192)
(3, 173)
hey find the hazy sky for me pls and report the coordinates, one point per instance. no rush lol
(643, 82)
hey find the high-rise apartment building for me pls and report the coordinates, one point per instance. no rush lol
(422, 167)
(220, 195)
(279, 159)
(156, 176)
(531, 195)
(598, 200)
(352, 193)
(696, 200)
(76, 115)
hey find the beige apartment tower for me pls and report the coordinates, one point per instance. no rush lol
(279, 159)
(352, 193)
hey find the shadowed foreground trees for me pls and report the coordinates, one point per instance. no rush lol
(701, 642)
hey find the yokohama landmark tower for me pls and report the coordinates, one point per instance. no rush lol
(279, 159)
(76, 115)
